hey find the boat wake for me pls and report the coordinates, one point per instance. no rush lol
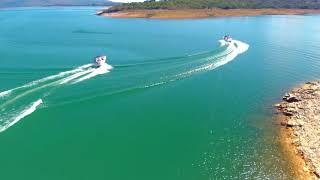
(30, 109)
(17, 103)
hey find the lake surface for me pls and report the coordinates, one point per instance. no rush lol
(173, 106)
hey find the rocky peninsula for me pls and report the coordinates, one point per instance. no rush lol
(202, 13)
(301, 110)
(188, 9)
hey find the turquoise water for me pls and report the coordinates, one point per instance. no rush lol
(172, 107)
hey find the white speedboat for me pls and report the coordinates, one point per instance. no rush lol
(100, 60)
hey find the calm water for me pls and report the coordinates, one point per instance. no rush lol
(169, 109)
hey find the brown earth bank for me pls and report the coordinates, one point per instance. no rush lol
(300, 136)
(204, 13)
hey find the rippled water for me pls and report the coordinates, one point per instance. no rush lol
(174, 106)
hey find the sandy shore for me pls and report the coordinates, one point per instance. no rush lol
(204, 13)
(301, 122)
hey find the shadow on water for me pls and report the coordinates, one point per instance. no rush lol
(91, 32)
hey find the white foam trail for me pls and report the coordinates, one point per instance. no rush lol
(11, 116)
(85, 66)
(5, 93)
(24, 113)
(33, 83)
(54, 83)
(222, 42)
(105, 68)
(234, 47)
(74, 76)
(241, 47)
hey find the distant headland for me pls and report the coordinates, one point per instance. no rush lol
(184, 9)
(45, 3)
(204, 13)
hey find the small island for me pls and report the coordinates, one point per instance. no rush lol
(301, 122)
(191, 9)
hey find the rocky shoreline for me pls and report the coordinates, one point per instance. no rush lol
(301, 108)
